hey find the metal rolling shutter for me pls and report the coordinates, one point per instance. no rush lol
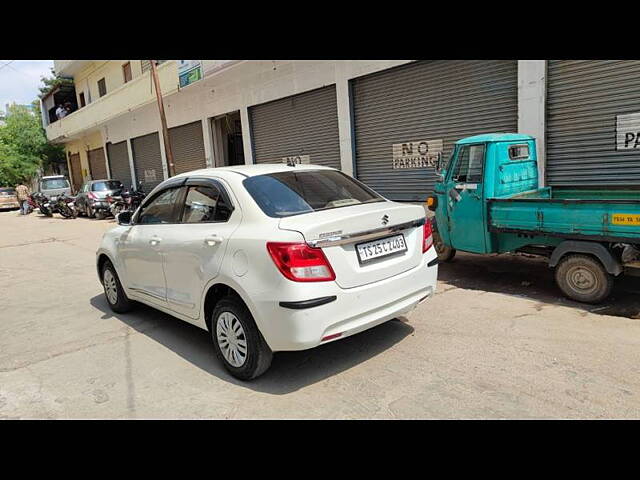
(76, 171)
(304, 124)
(147, 160)
(187, 145)
(423, 101)
(583, 100)
(119, 163)
(97, 164)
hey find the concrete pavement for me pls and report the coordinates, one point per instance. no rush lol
(496, 341)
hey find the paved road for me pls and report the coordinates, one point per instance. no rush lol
(486, 346)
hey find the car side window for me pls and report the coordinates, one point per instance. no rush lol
(161, 209)
(205, 204)
(469, 165)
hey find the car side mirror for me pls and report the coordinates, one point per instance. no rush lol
(124, 218)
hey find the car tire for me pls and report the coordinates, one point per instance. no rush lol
(113, 291)
(245, 354)
(583, 278)
(445, 252)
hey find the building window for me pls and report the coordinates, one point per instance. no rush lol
(146, 64)
(82, 100)
(126, 72)
(102, 87)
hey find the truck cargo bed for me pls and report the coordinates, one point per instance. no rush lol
(603, 215)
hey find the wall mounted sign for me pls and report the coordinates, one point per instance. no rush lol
(628, 132)
(150, 176)
(189, 71)
(417, 154)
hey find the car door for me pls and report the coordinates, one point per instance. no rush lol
(140, 247)
(194, 248)
(464, 196)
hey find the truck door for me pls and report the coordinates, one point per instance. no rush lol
(464, 196)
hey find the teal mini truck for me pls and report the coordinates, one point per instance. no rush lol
(487, 200)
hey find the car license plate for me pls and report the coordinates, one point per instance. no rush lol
(381, 248)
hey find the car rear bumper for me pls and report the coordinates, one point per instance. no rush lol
(297, 326)
(10, 205)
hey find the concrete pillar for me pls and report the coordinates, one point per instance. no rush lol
(134, 180)
(208, 143)
(532, 93)
(246, 135)
(163, 154)
(345, 122)
(106, 159)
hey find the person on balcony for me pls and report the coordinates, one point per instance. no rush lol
(61, 112)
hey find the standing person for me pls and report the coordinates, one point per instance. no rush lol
(22, 192)
(60, 112)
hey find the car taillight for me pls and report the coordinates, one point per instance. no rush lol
(92, 196)
(427, 236)
(300, 262)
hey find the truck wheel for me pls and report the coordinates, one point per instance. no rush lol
(583, 278)
(237, 341)
(445, 252)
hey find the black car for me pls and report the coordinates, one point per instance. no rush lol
(92, 197)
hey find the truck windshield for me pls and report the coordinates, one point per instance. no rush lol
(51, 183)
(291, 193)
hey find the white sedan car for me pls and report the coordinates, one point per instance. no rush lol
(269, 258)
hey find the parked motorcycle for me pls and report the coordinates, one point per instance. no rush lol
(41, 202)
(127, 200)
(64, 204)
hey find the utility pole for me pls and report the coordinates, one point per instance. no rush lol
(165, 131)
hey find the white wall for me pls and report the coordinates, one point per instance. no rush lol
(248, 83)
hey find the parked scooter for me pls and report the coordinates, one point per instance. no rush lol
(65, 206)
(41, 202)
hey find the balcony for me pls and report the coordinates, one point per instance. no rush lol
(127, 97)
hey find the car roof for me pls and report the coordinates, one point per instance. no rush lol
(253, 170)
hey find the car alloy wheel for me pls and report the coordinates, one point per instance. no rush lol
(110, 287)
(231, 339)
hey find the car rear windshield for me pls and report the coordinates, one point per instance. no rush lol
(51, 183)
(7, 191)
(107, 185)
(291, 193)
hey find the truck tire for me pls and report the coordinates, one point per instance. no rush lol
(445, 252)
(583, 278)
(237, 341)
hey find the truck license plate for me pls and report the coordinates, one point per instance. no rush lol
(381, 248)
(625, 219)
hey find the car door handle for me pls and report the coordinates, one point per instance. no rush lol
(154, 241)
(212, 240)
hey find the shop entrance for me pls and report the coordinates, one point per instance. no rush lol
(227, 139)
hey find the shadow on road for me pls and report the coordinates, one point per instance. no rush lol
(290, 371)
(530, 277)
